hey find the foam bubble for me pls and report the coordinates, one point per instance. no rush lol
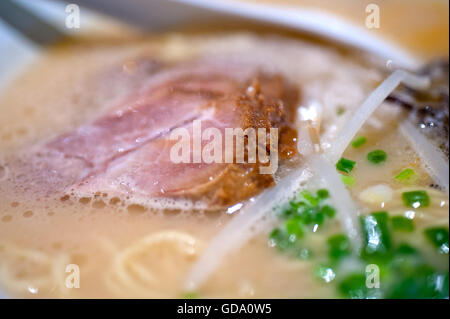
(114, 200)
(85, 200)
(28, 214)
(98, 204)
(65, 198)
(6, 218)
(136, 209)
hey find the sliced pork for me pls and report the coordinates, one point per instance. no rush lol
(126, 150)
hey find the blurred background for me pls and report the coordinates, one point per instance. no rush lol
(409, 31)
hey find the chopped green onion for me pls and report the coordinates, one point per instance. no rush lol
(340, 110)
(306, 214)
(438, 236)
(275, 235)
(312, 215)
(359, 141)
(377, 238)
(310, 198)
(348, 180)
(345, 165)
(318, 218)
(401, 223)
(323, 193)
(292, 209)
(307, 209)
(294, 226)
(407, 176)
(354, 287)
(416, 199)
(338, 246)
(405, 271)
(328, 211)
(419, 282)
(281, 240)
(377, 156)
(405, 249)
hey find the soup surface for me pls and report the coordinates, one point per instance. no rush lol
(124, 243)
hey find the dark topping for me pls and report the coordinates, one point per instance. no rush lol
(429, 110)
